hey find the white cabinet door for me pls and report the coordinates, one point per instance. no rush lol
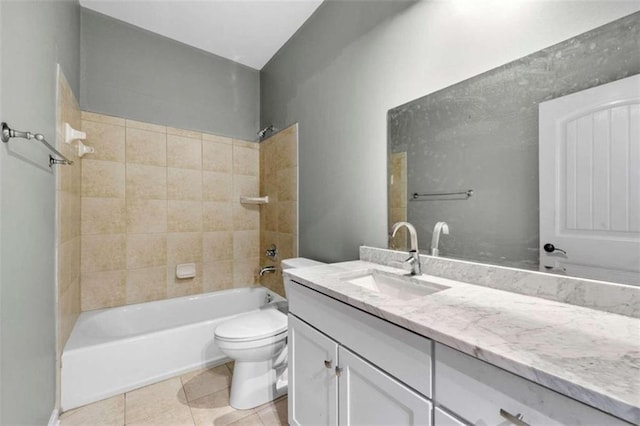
(313, 384)
(369, 397)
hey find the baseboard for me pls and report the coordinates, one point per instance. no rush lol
(54, 420)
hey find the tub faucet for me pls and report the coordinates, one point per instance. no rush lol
(441, 227)
(267, 270)
(414, 255)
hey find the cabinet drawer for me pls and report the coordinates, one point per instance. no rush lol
(403, 354)
(477, 392)
(442, 418)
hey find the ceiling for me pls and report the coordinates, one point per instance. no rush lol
(246, 31)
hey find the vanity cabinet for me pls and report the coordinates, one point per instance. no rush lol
(481, 394)
(349, 367)
(340, 361)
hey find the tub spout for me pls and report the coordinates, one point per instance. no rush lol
(267, 270)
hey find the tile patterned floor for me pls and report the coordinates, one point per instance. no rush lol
(194, 399)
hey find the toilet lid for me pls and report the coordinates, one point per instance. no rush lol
(253, 325)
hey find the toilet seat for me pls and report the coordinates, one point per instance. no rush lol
(253, 326)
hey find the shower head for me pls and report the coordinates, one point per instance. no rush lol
(267, 130)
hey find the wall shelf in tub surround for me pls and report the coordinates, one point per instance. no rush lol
(589, 355)
(254, 200)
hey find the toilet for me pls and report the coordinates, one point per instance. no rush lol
(257, 342)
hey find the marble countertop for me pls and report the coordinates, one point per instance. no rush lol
(589, 355)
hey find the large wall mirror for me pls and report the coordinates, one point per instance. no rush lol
(474, 155)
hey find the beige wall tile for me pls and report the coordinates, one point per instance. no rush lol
(103, 216)
(287, 148)
(146, 284)
(287, 217)
(269, 216)
(287, 246)
(103, 289)
(216, 138)
(75, 258)
(184, 184)
(146, 250)
(217, 216)
(245, 272)
(216, 186)
(146, 182)
(107, 139)
(65, 205)
(103, 252)
(185, 133)
(246, 144)
(102, 179)
(217, 276)
(287, 182)
(246, 161)
(185, 153)
(146, 147)
(246, 244)
(217, 246)
(217, 157)
(64, 264)
(183, 287)
(68, 311)
(246, 217)
(146, 126)
(245, 186)
(184, 247)
(184, 216)
(146, 216)
(101, 118)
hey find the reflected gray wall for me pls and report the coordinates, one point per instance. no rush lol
(482, 134)
(35, 36)
(130, 72)
(352, 61)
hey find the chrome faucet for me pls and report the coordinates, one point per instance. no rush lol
(414, 255)
(441, 227)
(267, 270)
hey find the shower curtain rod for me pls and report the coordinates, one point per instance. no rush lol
(8, 133)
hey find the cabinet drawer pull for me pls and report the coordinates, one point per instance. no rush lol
(338, 371)
(328, 363)
(516, 420)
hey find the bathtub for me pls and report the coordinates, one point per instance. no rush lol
(111, 351)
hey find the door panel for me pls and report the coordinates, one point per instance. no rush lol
(313, 386)
(369, 397)
(590, 181)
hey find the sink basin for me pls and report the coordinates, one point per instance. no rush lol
(402, 287)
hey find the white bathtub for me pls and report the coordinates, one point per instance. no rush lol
(111, 351)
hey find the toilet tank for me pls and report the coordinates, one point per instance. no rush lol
(299, 262)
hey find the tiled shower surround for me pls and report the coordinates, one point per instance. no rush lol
(68, 221)
(154, 197)
(279, 218)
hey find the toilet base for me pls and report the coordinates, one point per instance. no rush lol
(255, 383)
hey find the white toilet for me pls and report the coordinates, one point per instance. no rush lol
(257, 342)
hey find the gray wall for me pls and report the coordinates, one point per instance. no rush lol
(353, 61)
(132, 73)
(482, 134)
(35, 36)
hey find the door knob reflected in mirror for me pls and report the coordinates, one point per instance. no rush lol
(550, 248)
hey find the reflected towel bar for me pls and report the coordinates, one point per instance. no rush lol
(8, 133)
(468, 193)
